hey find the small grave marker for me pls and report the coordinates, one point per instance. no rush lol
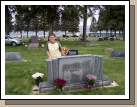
(13, 57)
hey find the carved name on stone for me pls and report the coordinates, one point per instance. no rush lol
(85, 65)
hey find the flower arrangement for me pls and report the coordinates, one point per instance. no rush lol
(65, 50)
(90, 80)
(42, 45)
(59, 84)
(26, 45)
(38, 77)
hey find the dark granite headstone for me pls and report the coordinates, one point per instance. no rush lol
(101, 39)
(105, 38)
(112, 39)
(118, 54)
(73, 52)
(34, 39)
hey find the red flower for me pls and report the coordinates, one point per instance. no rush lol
(60, 82)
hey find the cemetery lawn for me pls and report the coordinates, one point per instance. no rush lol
(18, 75)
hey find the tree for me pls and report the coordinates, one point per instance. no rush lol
(8, 18)
(27, 18)
(70, 19)
(19, 24)
(112, 17)
(64, 20)
(43, 22)
(84, 14)
(93, 26)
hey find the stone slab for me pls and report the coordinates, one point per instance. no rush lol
(117, 54)
(13, 57)
(33, 46)
(75, 86)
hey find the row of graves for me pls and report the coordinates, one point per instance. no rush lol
(108, 38)
(72, 67)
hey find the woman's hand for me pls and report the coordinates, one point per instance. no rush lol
(49, 57)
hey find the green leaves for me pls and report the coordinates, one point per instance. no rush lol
(112, 17)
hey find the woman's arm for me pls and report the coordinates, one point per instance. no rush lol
(48, 53)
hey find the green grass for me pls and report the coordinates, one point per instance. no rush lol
(18, 75)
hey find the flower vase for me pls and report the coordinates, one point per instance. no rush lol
(89, 85)
(59, 89)
(38, 80)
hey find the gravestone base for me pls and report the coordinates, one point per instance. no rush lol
(115, 57)
(93, 44)
(20, 60)
(46, 87)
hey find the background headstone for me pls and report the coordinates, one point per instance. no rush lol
(13, 57)
(34, 39)
(33, 43)
(100, 39)
(112, 38)
(33, 46)
(117, 54)
(109, 50)
(105, 38)
(93, 43)
(73, 52)
(117, 38)
(79, 43)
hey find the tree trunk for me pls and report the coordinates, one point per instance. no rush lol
(6, 20)
(44, 33)
(36, 33)
(100, 33)
(106, 33)
(119, 33)
(115, 32)
(124, 33)
(110, 32)
(27, 33)
(85, 23)
(65, 33)
(50, 29)
(21, 34)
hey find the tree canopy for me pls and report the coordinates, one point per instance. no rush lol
(63, 18)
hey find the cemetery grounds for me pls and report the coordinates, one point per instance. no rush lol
(18, 75)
